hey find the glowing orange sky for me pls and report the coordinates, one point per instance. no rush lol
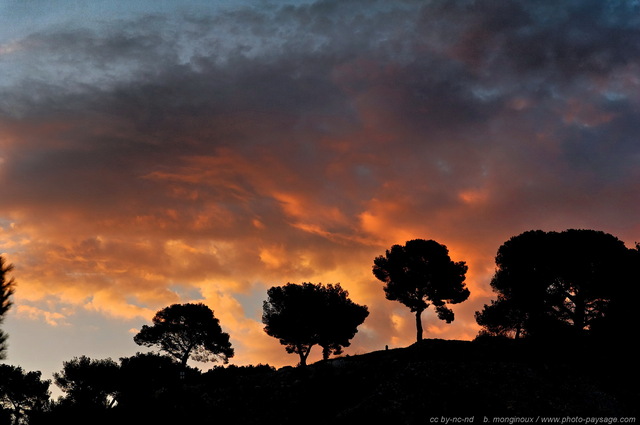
(159, 160)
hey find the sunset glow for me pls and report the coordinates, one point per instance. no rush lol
(206, 153)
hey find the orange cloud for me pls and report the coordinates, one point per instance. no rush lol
(51, 318)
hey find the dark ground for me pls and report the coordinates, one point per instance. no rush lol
(432, 379)
(421, 384)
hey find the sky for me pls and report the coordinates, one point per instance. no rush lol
(165, 152)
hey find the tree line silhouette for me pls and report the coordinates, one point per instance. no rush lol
(570, 285)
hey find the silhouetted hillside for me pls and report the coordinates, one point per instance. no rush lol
(437, 377)
(434, 378)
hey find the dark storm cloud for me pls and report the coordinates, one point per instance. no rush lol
(450, 82)
(565, 40)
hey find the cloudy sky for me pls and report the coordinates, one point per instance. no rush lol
(161, 152)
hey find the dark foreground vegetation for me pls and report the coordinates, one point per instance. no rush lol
(432, 378)
(436, 378)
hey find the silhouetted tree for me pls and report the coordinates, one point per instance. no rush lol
(22, 394)
(145, 373)
(621, 319)
(6, 290)
(302, 316)
(89, 383)
(501, 319)
(523, 268)
(150, 386)
(187, 330)
(341, 324)
(550, 282)
(419, 273)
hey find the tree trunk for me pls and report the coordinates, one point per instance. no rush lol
(325, 353)
(303, 352)
(419, 325)
(183, 360)
(579, 313)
